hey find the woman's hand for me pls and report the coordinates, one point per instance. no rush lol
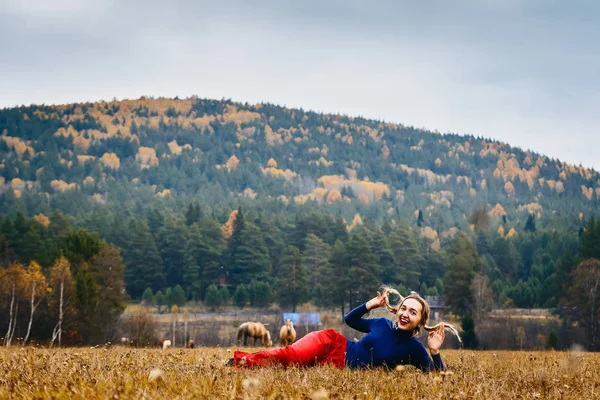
(378, 301)
(435, 339)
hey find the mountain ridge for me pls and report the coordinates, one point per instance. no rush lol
(291, 155)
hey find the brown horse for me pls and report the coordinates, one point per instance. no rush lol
(255, 330)
(287, 333)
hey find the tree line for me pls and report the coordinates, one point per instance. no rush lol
(58, 281)
(58, 285)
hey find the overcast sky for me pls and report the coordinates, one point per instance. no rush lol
(526, 72)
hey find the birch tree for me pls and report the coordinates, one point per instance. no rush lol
(62, 292)
(481, 294)
(174, 311)
(13, 280)
(35, 290)
(186, 315)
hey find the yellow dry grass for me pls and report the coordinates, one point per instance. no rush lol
(124, 373)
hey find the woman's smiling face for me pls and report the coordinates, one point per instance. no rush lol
(409, 315)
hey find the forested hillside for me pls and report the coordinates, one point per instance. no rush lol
(126, 153)
(269, 203)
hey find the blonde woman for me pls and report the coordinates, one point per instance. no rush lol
(387, 343)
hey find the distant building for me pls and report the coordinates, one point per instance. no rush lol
(437, 306)
(303, 318)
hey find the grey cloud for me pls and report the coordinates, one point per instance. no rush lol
(525, 72)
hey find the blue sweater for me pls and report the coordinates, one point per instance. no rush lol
(385, 345)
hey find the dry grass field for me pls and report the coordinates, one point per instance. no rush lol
(124, 373)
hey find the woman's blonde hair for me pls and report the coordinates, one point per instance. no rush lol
(394, 309)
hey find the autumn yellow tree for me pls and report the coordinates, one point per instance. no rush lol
(35, 290)
(227, 228)
(13, 288)
(63, 287)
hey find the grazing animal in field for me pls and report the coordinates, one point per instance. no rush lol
(254, 330)
(191, 344)
(125, 341)
(287, 333)
(166, 344)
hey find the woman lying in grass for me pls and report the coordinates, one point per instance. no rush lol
(387, 343)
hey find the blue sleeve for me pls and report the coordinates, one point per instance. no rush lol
(354, 319)
(438, 363)
(422, 360)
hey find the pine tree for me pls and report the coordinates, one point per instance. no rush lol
(210, 252)
(364, 270)
(193, 214)
(292, 286)
(483, 242)
(160, 299)
(143, 265)
(589, 242)
(107, 270)
(59, 225)
(250, 258)
(212, 298)
(407, 258)
(119, 232)
(87, 292)
(191, 270)
(315, 258)
(274, 240)
(79, 246)
(339, 231)
(553, 343)
(387, 260)
(263, 294)
(171, 241)
(506, 257)
(241, 296)
(530, 224)
(224, 295)
(148, 297)
(236, 233)
(178, 296)
(8, 242)
(470, 340)
(32, 246)
(155, 221)
(337, 281)
(463, 264)
(564, 267)
(312, 223)
(585, 294)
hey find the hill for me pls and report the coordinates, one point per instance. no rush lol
(202, 193)
(126, 153)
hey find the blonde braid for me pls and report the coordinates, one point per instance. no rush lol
(394, 310)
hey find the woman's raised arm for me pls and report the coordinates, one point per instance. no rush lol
(354, 318)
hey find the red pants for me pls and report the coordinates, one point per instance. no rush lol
(316, 348)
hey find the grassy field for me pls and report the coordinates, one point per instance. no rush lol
(124, 373)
